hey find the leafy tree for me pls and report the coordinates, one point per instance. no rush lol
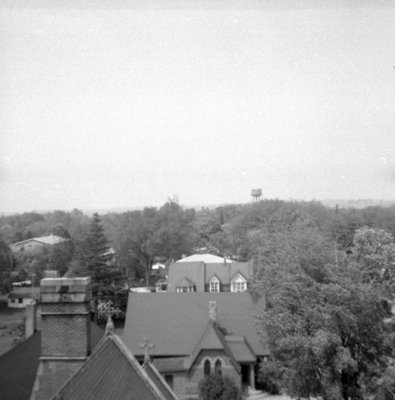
(152, 233)
(216, 387)
(6, 266)
(60, 256)
(60, 230)
(326, 330)
(374, 251)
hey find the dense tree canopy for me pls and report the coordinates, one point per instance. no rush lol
(325, 322)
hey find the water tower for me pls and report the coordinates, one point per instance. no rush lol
(256, 195)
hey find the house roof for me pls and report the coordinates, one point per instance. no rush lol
(111, 372)
(25, 293)
(51, 240)
(213, 339)
(226, 272)
(195, 271)
(175, 322)
(18, 367)
(171, 364)
(207, 258)
(240, 349)
(185, 282)
(159, 382)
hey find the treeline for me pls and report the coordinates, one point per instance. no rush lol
(166, 233)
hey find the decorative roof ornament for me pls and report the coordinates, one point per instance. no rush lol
(147, 346)
(105, 309)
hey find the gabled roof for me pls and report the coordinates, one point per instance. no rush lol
(18, 367)
(240, 349)
(159, 382)
(193, 270)
(206, 258)
(214, 278)
(213, 339)
(175, 322)
(185, 282)
(238, 276)
(226, 272)
(111, 372)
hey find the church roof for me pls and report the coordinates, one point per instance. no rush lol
(240, 349)
(18, 367)
(111, 372)
(213, 339)
(175, 322)
(159, 382)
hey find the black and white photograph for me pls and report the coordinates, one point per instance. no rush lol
(197, 199)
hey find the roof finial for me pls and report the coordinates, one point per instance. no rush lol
(147, 346)
(109, 326)
(105, 309)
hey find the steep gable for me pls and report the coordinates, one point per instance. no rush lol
(111, 372)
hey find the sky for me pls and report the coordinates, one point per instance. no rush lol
(107, 104)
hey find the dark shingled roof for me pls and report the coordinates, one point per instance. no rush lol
(226, 272)
(240, 349)
(175, 322)
(18, 367)
(171, 364)
(111, 372)
(194, 271)
(159, 382)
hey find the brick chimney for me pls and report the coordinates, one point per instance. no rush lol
(212, 310)
(65, 336)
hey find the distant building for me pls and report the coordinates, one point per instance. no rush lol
(36, 244)
(208, 273)
(21, 296)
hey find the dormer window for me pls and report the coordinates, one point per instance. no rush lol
(185, 286)
(238, 284)
(214, 284)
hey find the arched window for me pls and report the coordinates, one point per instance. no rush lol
(207, 368)
(218, 367)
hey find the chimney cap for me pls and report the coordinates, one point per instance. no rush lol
(65, 290)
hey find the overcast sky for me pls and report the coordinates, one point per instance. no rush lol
(124, 104)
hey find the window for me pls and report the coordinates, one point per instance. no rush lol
(20, 301)
(214, 285)
(239, 284)
(169, 380)
(218, 367)
(207, 368)
(185, 289)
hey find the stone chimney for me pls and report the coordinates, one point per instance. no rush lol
(65, 336)
(212, 310)
(30, 319)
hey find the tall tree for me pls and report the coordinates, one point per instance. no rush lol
(327, 331)
(95, 252)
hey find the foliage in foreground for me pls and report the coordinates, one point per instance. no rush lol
(327, 330)
(216, 387)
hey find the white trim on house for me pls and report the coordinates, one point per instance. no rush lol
(214, 284)
(238, 284)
